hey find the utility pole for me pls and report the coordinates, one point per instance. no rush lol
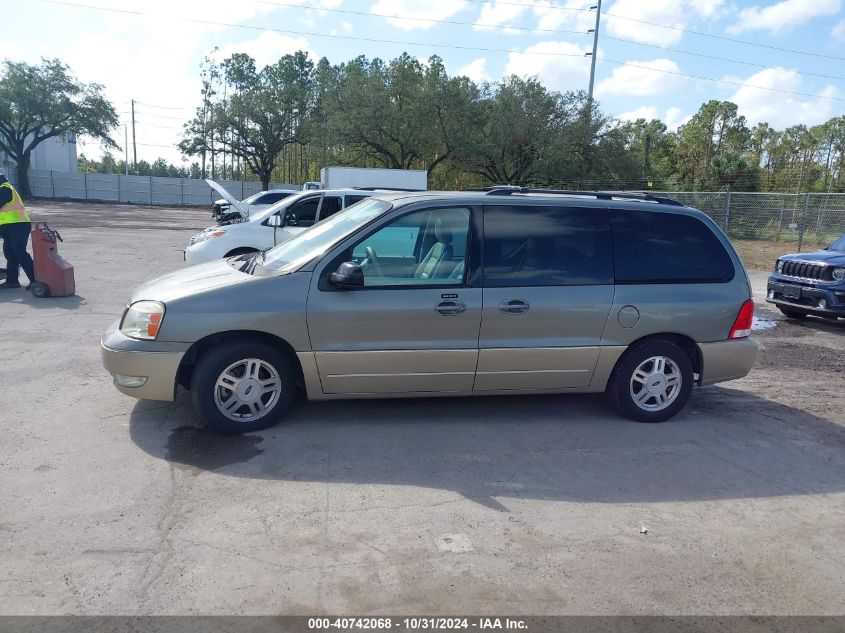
(125, 149)
(134, 146)
(595, 33)
(588, 113)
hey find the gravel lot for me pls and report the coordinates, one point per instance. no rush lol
(526, 505)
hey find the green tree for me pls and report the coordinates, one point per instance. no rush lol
(716, 127)
(518, 118)
(45, 101)
(268, 110)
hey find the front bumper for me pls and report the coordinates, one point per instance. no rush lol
(205, 251)
(727, 360)
(808, 297)
(158, 364)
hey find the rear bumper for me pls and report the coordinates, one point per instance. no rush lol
(727, 360)
(808, 297)
(158, 368)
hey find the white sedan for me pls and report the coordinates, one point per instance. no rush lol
(257, 232)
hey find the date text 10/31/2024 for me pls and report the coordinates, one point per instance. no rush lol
(415, 624)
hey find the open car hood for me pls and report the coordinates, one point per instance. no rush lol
(229, 198)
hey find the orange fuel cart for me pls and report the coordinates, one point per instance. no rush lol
(54, 276)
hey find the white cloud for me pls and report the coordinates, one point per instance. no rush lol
(644, 112)
(640, 80)
(559, 65)
(570, 15)
(475, 70)
(673, 117)
(839, 30)
(782, 15)
(495, 14)
(672, 13)
(778, 109)
(417, 14)
(266, 49)
(126, 54)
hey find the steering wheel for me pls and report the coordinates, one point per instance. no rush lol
(373, 262)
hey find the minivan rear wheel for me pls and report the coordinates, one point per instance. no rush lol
(652, 381)
(243, 386)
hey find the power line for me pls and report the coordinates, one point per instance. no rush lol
(158, 116)
(670, 27)
(388, 16)
(453, 46)
(310, 34)
(541, 30)
(161, 107)
(721, 81)
(714, 57)
(160, 127)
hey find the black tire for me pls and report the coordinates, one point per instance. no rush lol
(39, 289)
(215, 361)
(240, 251)
(792, 313)
(619, 387)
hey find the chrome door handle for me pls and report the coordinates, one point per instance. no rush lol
(514, 306)
(449, 308)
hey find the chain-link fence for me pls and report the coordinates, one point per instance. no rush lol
(797, 221)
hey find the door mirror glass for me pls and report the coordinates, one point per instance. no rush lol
(348, 275)
(274, 220)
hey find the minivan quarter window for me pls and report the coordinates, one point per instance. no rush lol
(653, 247)
(546, 246)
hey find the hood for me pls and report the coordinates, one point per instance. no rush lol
(228, 198)
(828, 257)
(189, 281)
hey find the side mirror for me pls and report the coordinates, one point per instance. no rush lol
(274, 220)
(348, 275)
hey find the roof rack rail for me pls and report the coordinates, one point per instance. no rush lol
(507, 190)
(384, 189)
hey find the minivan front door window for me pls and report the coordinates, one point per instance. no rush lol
(419, 249)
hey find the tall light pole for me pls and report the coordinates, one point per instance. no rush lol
(126, 149)
(588, 113)
(134, 146)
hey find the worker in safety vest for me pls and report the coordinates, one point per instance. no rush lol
(14, 229)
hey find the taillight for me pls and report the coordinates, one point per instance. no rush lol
(742, 326)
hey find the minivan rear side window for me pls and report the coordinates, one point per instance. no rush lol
(651, 247)
(546, 246)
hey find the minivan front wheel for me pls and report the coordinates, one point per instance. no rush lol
(652, 381)
(243, 386)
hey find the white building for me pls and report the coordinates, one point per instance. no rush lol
(55, 154)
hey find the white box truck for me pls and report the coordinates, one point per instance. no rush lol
(343, 177)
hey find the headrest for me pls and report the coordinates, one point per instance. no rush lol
(442, 232)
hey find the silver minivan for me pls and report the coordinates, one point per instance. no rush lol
(506, 291)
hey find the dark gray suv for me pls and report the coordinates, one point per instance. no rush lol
(506, 291)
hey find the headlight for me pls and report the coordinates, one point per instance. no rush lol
(839, 274)
(143, 320)
(779, 266)
(206, 235)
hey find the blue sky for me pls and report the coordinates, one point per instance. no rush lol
(154, 57)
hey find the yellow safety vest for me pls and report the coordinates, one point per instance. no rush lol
(13, 211)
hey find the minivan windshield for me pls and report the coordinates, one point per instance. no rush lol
(318, 239)
(261, 215)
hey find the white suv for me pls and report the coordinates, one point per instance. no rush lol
(260, 231)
